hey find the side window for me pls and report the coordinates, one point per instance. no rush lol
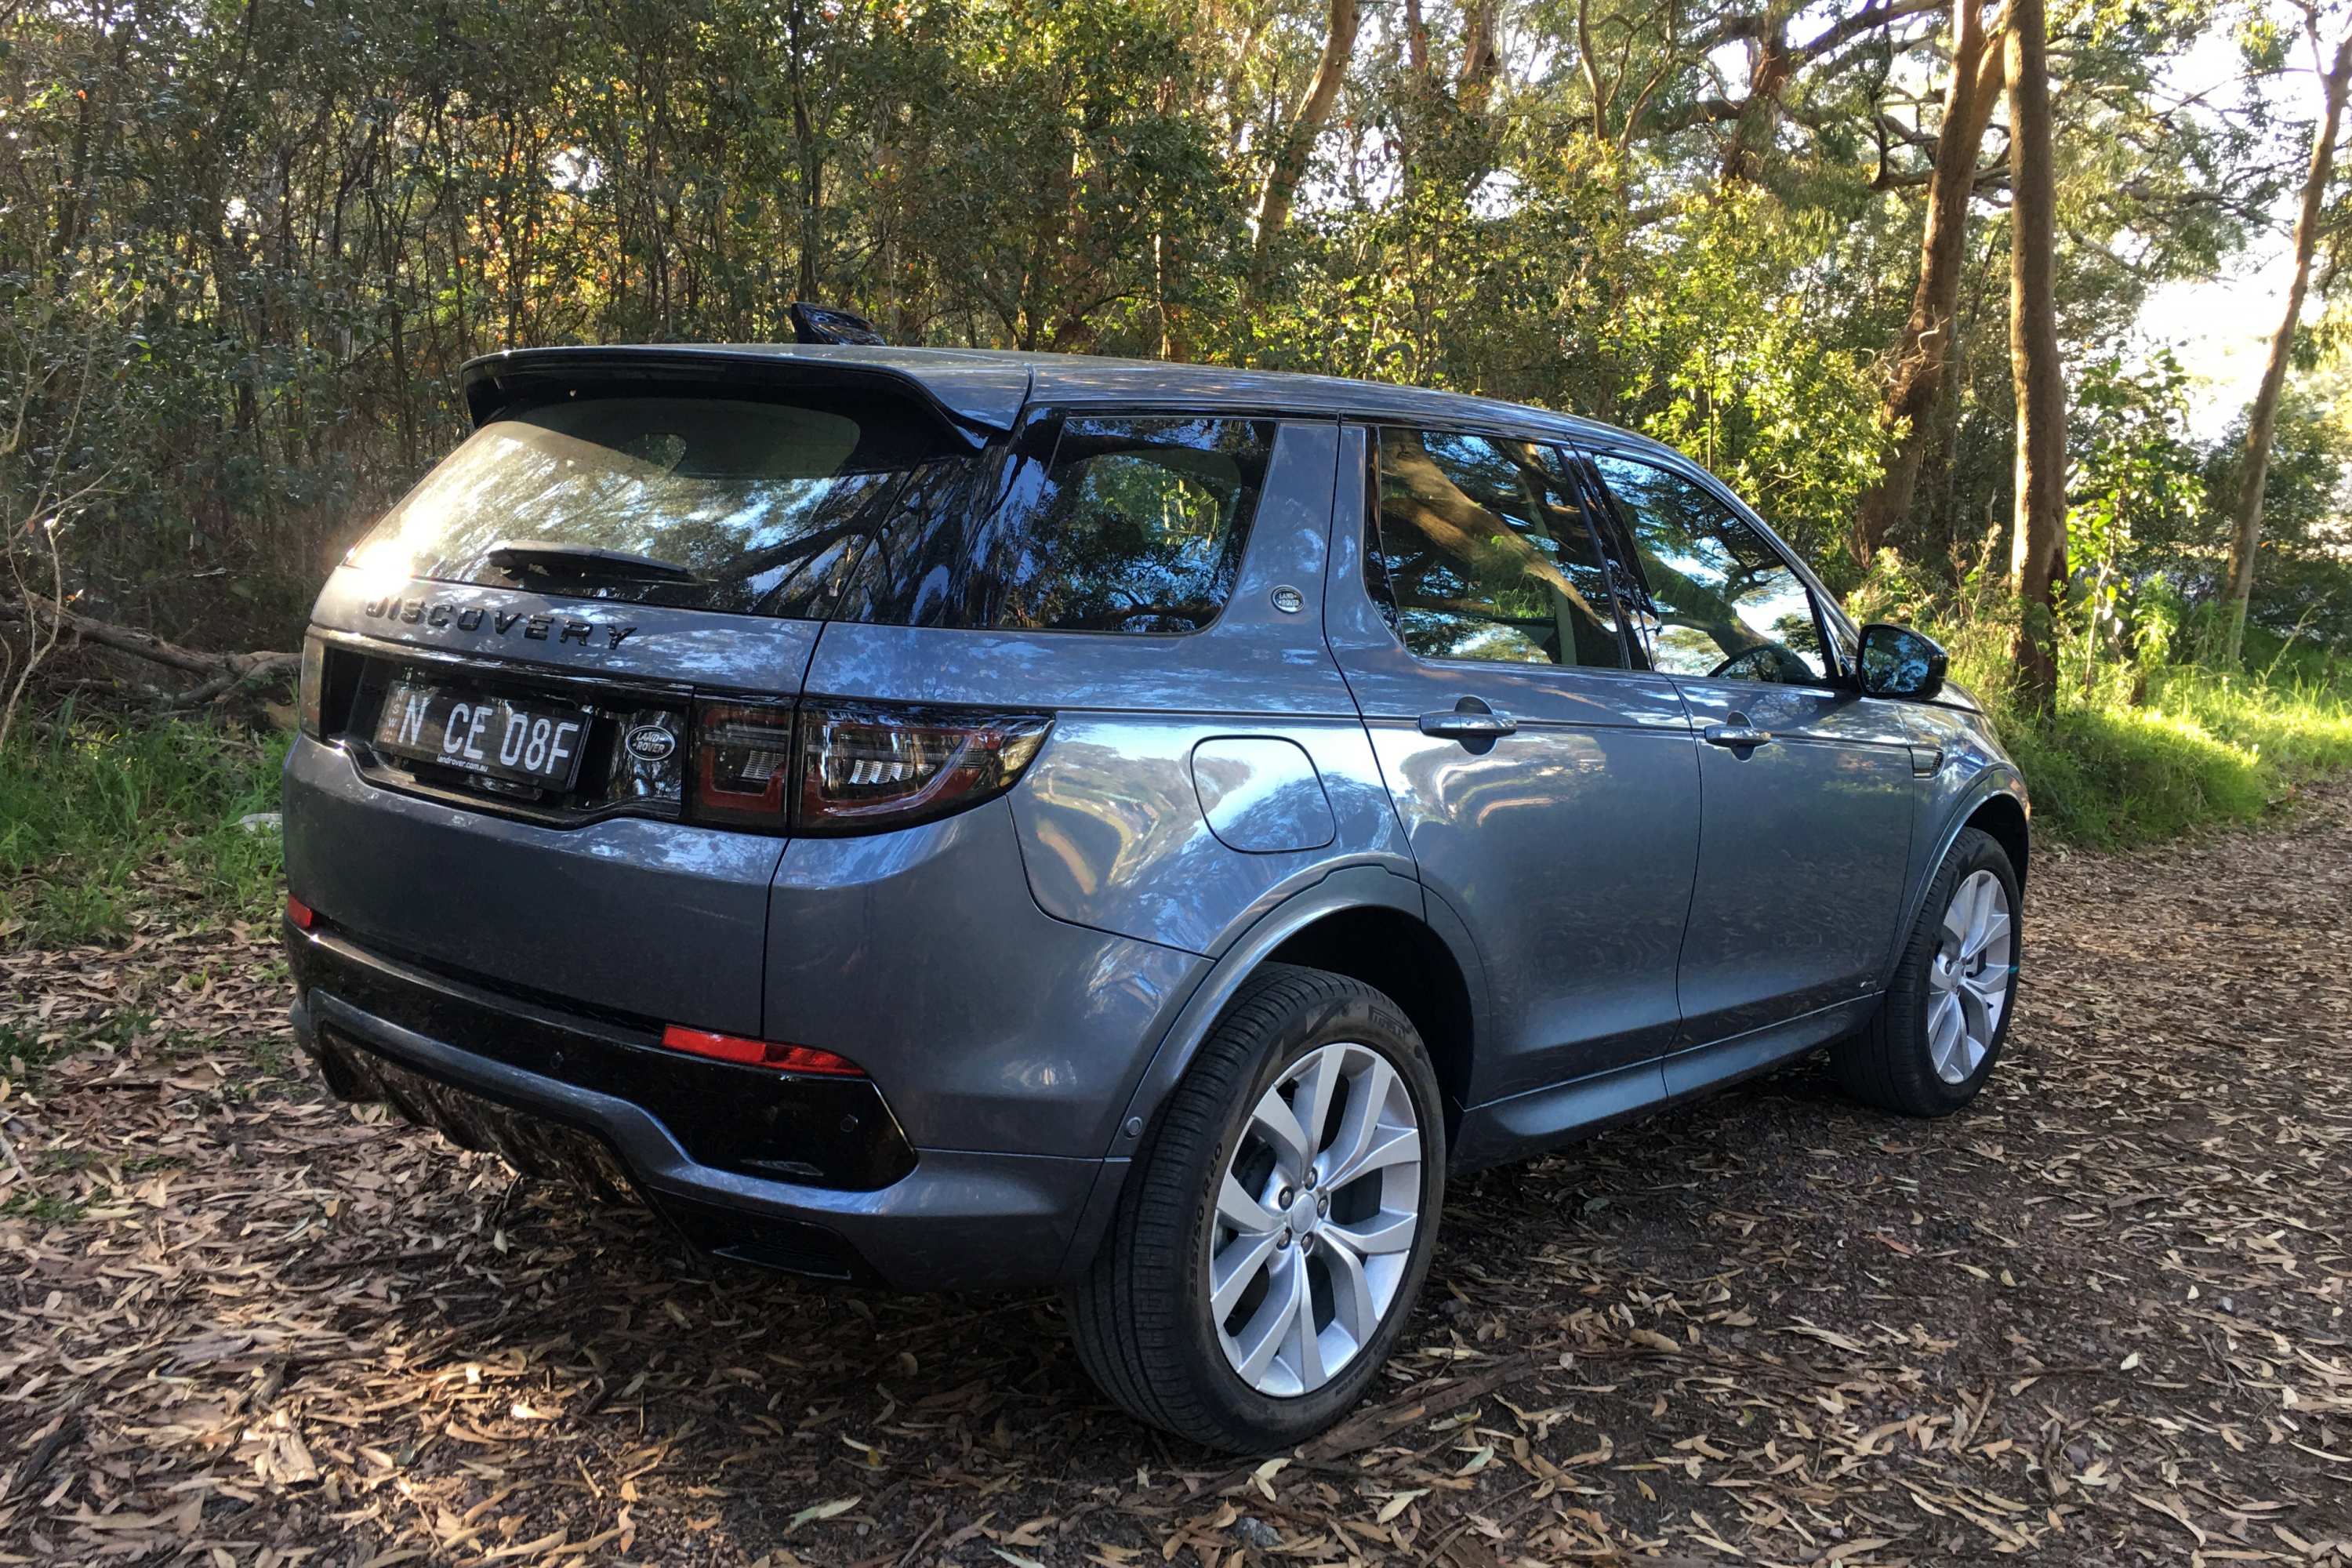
(1483, 552)
(1728, 606)
(1132, 523)
(1139, 526)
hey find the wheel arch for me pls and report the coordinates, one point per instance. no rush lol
(2003, 816)
(1402, 957)
(1995, 801)
(1365, 923)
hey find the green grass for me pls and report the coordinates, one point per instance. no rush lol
(104, 826)
(2198, 748)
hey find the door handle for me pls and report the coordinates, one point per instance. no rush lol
(1468, 724)
(1740, 736)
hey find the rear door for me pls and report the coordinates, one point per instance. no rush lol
(1550, 791)
(1806, 788)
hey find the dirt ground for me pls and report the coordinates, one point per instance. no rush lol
(2100, 1317)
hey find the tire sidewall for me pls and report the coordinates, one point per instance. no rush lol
(1974, 851)
(1361, 1020)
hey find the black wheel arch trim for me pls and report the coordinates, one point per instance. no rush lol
(1240, 956)
(1999, 779)
(1345, 888)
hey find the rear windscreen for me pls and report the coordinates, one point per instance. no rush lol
(758, 507)
(856, 509)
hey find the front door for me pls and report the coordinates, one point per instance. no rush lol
(1549, 791)
(1806, 787)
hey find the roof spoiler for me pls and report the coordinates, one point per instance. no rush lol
(973, 406)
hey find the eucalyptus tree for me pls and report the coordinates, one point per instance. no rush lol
(2262, 423)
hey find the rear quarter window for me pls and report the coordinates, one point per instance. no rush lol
(1110, 523)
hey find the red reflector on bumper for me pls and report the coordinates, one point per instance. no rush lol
(300, 914)
(759, 1053)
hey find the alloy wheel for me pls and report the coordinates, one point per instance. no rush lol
(1968, 979)
(1317, 1212)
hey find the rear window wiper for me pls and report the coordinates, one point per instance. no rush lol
(519, 556)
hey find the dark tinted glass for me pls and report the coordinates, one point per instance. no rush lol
(1483, 553)
(1129, 524)
(1728, 606)
(765, 504)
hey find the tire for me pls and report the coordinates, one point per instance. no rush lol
(1905, 1060)
(1142, 1315)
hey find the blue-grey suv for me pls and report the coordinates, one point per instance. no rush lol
(988, 820)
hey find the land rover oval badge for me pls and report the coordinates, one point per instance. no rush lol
(650, 743)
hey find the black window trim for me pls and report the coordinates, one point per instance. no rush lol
(1840, 677)
(1567, 457)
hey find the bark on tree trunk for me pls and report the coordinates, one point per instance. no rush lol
(2263, 424)
(1923, 360)
(812, 163)
(1482, 56)
(2038, 547)
(1770, 66)
(1298, 142)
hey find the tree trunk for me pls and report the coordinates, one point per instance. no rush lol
(2037, 559)
(1482, 56)
(812, 162)
(1416, 39)
(1298, 142)
(1923, 357)
(1770, 66)
(2254, 472)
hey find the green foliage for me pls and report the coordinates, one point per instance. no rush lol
(2149, 749)
(2137, 485)
(2302, 575)
(1746, 385)
(106, 826)
(273, 233)
(245, 249)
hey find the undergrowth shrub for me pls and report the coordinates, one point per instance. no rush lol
(106, 825)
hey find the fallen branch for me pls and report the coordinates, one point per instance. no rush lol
(1369, 1428)
(1424, 1400)
(223, 673)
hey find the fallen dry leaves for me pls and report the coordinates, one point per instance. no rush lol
(2101, 1318)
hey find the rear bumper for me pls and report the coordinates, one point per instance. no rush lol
(546, 1087)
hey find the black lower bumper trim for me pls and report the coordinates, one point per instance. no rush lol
(814, 1131)
(550, 1150)
(534, 1145)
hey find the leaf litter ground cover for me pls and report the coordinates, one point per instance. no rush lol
(2099, 1318)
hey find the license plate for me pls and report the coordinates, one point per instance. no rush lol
(517, 740)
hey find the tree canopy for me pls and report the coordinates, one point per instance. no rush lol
(244, 244)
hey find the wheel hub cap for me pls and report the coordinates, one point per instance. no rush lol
(1968, 979)
(1317, 1212)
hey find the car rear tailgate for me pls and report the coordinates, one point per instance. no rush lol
(658, 919)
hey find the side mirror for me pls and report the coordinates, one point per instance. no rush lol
(1899, 662)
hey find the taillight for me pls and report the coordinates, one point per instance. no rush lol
(311, 689)
(742, 763)
(759, 1053)
(853, 767)
(303, 916)
(867, 766)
